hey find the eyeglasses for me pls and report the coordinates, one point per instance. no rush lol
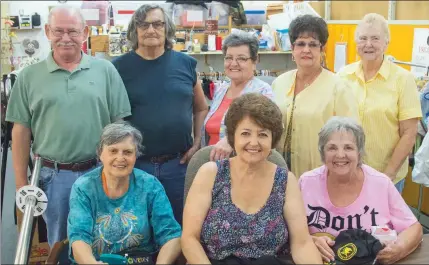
(239, 60)
(156, 25)
(60, 32)
(311, 45)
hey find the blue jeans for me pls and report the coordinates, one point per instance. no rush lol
(57, 185)
(171, 174)
(400, 185)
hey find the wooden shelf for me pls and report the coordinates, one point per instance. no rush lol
(219, 53)
(221, 27)
(24, 29)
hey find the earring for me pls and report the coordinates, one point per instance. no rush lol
(293, 58)
(322, 58)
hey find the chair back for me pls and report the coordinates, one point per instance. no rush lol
(202, 156)
(59, 252)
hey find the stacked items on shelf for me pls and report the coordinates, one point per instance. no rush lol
(118, 43)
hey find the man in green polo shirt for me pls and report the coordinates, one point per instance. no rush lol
(64, 101)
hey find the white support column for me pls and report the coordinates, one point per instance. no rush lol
(327, 10)
(391, 14)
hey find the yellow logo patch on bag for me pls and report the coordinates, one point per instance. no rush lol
(347, 251)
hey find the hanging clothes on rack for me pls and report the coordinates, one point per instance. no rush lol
(207, 85)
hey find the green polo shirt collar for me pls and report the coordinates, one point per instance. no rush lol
(53, 66)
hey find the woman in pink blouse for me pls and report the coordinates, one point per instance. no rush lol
(346, 194)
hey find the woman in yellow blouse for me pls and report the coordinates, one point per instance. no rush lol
(309, 95)
(389, 105)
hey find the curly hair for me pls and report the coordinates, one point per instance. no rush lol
(260, 109)
(315, 26)
(240, 38)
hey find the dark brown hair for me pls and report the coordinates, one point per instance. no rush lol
(260, 109)
(309, 24)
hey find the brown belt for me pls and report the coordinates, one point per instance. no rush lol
(78, 166)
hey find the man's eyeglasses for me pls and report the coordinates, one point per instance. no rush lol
(239, 60)
(156, 25)
(311, 45)
(60, 32)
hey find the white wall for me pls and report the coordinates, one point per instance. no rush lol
(29, 8)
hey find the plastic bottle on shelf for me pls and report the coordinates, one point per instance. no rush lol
(196, 46)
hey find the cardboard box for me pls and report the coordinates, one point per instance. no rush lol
(39, 253)
(99, 43)
(39, 247)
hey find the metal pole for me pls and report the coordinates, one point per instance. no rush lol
(328, 10)
(5, 144)
(411, 64)
(391, 13)
(4, 154)
(36, 172)
(23, 246)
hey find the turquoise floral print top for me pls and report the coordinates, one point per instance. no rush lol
(142, 217)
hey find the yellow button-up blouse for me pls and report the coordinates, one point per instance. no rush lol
(327, 96)
(385, 100)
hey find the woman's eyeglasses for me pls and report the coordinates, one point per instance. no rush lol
(239, 60)
(156, 25)
(311, 45)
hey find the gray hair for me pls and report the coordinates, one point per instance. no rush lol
(117, 132)
(374, 19)
(342, 124)
(239, 39)
(140, 15)
(74, 11)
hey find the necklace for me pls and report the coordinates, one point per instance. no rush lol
(312, 79)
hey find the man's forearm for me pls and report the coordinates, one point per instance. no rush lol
(169, 252)
(400, 153)
(20, 154)
(199, 117)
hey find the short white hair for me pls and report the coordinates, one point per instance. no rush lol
(74, 11)
(342, 124)
(374, 19)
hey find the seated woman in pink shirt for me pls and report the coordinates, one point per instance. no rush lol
(346, 194)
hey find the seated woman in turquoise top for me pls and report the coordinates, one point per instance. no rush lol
(116, 207)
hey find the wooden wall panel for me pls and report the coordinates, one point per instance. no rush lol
(319, 7)
(355, 10)
(412, 10)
